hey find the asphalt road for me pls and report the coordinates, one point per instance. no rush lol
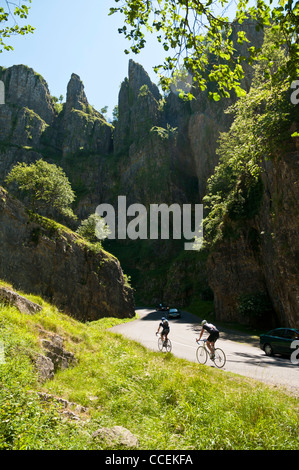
(243, 355)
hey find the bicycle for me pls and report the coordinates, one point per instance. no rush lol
(202, 354)
(164, 345)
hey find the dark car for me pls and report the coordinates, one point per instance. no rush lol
(279, 341)
(174, 313)
(162, 308)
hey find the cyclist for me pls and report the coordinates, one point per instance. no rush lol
(213, 335)
(165, 330)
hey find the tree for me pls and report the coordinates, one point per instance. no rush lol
(45, 184)
(192, 27)
(94, 229)
(115, 114)
(104, 111)
(6, 15)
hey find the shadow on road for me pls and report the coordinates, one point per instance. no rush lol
(194, 325)
(263, 361)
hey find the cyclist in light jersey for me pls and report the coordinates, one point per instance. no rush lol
(213, 335)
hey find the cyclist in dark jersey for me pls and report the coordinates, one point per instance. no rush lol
(165, 329)
(213, 335)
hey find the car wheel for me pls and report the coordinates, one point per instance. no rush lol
(268, 350)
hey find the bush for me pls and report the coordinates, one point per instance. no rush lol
(93, 229)
(256, 307)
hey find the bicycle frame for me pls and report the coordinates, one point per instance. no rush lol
(202, 354)
(164, 345)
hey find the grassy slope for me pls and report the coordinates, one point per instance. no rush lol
(168, 403)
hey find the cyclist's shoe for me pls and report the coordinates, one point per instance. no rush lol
(165, 344)
(212, 356)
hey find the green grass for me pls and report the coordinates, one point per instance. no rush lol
(168, 403)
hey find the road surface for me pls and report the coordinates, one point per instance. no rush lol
(243, 355)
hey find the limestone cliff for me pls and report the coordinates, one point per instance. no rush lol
(78, 127)
(25, 88)
(264, 259)
(151, 144)
(42, 257)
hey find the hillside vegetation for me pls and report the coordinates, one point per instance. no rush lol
(167, 403)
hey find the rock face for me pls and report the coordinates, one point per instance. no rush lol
(76, 97)
(43, 258)
(152, 160)
(29, 119)
(265, 258)
(26, 89)
(81, 128)
(138, 108)
(278, 226)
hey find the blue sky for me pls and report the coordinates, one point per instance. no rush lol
(79, 36)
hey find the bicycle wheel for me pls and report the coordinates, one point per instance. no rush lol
(201, 355)
(220, 358)
(168, 346)
(160, 344)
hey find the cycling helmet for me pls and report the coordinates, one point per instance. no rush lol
(203, 322)
(163, 318)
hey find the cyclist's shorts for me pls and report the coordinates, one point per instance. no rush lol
(165, 331)
(214, 335)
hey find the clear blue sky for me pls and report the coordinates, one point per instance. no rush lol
(79, 36)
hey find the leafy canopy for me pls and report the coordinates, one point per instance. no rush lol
(10, 13)
(193, 29)
(46, 185)
(260, 130)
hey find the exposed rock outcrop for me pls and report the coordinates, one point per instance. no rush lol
(41, 257)
(25, 88)
(67, 408)
(76, 97)
(82, 128)
(44, 367)
(61, 358)
(29, 120)
(155, 160)
(264, 259)
(116, 436)
(55, 356)
(138, 107)
(20, 302)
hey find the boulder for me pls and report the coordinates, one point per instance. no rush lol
(45, 367)
(116, 436)
(21, 303)
(61, 358)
